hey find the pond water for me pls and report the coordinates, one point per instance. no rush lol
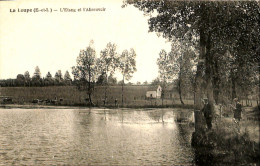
(94, 136)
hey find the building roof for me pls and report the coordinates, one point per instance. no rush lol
(153, 88)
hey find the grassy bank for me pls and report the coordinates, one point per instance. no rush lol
(41, 106)
(228, 142)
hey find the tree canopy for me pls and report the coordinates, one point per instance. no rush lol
(214, 27)
(85, 70)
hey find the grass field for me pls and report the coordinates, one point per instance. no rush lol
(133, 95)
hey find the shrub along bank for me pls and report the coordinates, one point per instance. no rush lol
(228, 143)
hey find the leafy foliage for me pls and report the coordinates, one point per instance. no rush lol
(67, 78)
(127, 64)
(85, 71)
(108, 59)
(214, 27)
(37, 73)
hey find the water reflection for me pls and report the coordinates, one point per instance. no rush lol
(97, 136)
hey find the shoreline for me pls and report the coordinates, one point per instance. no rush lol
(37, 106)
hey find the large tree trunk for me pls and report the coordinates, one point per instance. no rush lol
(163, 91)
(198, 84)
(199, 125)
(162, 97)
(90, 100)
(179, 89)
(208, 71)
(198, 76)
(258, 55)
(106, 84)
(179, 82)
(89, 90)
(216, 81)
(233, 84)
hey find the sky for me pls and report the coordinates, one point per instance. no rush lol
(53, 40)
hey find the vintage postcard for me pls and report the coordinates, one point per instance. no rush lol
(129, 82)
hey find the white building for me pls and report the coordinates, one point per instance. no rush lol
(154, 92)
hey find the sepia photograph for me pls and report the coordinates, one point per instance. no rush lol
(129, 82)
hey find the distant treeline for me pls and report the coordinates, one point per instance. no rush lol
(25, 80)
(34, 82)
